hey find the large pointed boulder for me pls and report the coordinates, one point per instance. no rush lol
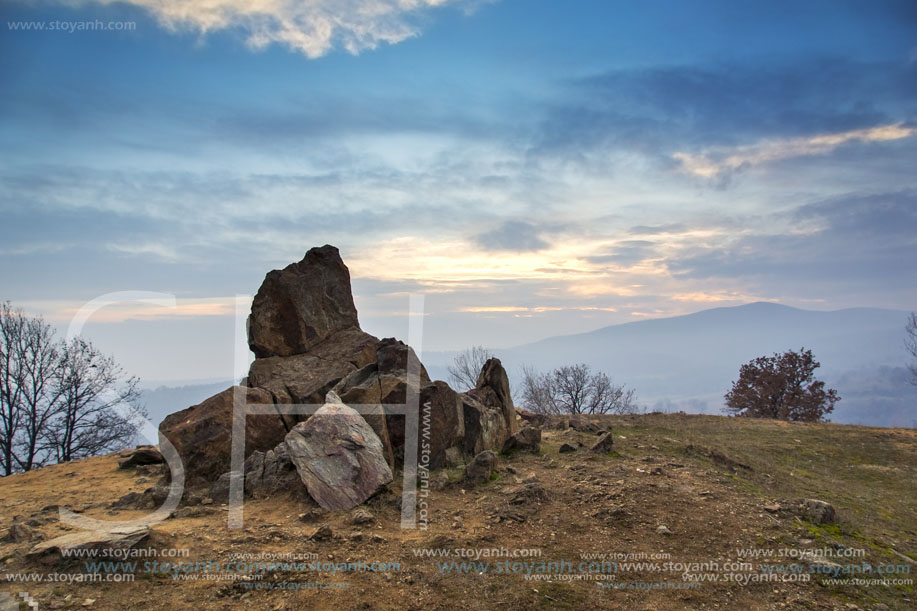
(338, 456)
(301, 305)
(488, 411)
(492, 389)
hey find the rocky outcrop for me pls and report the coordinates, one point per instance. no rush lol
(338, 456)
(202, 434)
(306, 337)
(485, 426)
(442, 408)
(488, 411)
(301, 305)
(492, 389)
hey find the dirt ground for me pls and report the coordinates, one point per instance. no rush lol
(716, 485)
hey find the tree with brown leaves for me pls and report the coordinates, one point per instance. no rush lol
(782, 387)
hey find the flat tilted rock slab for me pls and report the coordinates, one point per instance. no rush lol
(338, 456)
(119, 538)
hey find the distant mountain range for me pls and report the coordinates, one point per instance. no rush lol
(687, 363)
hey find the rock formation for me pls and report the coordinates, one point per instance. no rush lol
(308, 344)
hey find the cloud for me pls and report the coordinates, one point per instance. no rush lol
(853, 244)
(661, 110)
(61, 311)
(717, 161)
(517, 236)
(312, 27)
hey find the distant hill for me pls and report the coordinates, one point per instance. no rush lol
(688, 362)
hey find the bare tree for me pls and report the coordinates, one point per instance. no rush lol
(466, 367)
(574, 389)
(12, 323)
(910, 343)
(38, 368)
(58, 401)
(99, 407)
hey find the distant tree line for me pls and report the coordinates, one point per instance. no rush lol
(59, 400)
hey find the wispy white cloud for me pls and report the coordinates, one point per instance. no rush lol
(717, 161)
(63, 311)
(312, 27)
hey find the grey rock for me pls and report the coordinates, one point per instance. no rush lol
(819, 512)
(362, 516)
(604, 445)
(528, 440)
(142, 455)
(480, 468)
(338, 456)
(117, 538)
(322, 533)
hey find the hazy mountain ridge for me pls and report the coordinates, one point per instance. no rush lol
(688, 362)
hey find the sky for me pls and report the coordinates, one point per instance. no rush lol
(531, 168)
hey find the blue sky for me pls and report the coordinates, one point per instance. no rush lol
(533, 168)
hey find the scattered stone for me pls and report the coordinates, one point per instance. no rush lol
(657, 471)
(773, 508)
(322, 533)
(481, 467)
(142, 455)
(662, 529)
(531, 493)
(579, 422)
(338, 456)
(819, 512)
(604, 444)
(378, 539)
(356, 536)
(531, 418)
(362, 516)
(567, 448)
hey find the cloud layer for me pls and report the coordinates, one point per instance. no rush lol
(312, 27)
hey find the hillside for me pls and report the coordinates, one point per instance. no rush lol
(688, 362)
(718, 485)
